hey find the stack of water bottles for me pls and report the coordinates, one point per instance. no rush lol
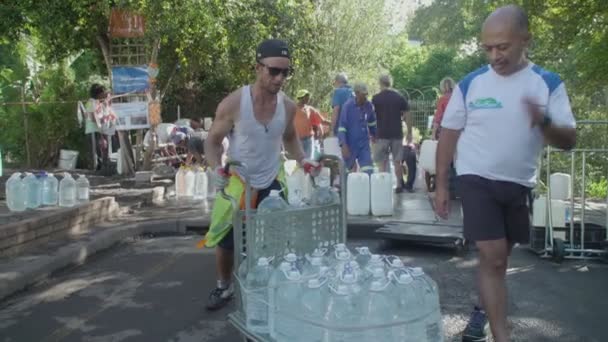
(336, 295)
(33, 190)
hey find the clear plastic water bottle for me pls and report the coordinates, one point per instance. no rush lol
(256, 311)
(274, 202)
(67, 191)
(82, 189)
(409, 325)
(344, 315)
(380, 310)
(363, 256)
(314, 306)
(33, 191)
(287, 323)
(375, 261)
(376, 274)
(427, 289)
(50, 189)
(278, 277)
(312, 268)
(15, 193)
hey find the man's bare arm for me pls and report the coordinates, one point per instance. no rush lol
(290, 138)
(222, 124)
(445, 154)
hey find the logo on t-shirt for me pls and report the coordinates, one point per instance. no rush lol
(485, 103)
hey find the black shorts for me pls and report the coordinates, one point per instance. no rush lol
(494, 210)
(228, 241)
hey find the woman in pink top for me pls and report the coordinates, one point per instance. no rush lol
(445, 86)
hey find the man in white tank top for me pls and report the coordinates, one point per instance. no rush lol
(258, 119)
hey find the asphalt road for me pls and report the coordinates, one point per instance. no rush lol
(155, 290)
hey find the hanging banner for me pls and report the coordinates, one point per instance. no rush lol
(131, 115)
(130, 79)
(126, 24)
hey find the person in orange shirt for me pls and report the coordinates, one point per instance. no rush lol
(445, 86)
(307, 122)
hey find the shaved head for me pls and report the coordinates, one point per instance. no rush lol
(505, 38)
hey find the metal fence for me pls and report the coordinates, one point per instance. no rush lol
(422, 112)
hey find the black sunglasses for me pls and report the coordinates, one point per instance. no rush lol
(287, 72)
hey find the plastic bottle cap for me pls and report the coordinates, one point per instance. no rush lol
(316, 261)
(291, 257)
(314, 283)
(349, 278)
(397, 263)
(274, 193)
(378, 272)
(263, 261)
(417, 271)
(405, 279)
(376, 286)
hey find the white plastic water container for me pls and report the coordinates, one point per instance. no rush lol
(211, 186)
(274, 202)
(295, 186)
(331, 146)
(357, 193)
(561, 186)
(408, 327)
(380, 309)
(67, 159)
(428, 291)
(428, 151)
(256, 311)
(67, 191)
(180, 183)
(15, 193)
(278, 277)
(287, 302)
(201, 184)
(344, 309)
(189, 179)
(33, 191)
(381, 194)
(314, 306)
(83, 189)
(50, 190)
(560, 213)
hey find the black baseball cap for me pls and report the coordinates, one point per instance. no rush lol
(272, 48)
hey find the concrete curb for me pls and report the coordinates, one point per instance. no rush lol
(21, 272)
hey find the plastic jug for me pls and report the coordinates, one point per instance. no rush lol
(274, 202)
(189, 181)
(380, 309)
(561, 186)
(295, 186)
(288, 307)
(278, 277)
(381, 194)
(50, 189)
(426, 289)
(200, 184)
(357, 194)
(180, 182)
(210, 186)
(345, 309)
(15, 193)
(256, 312)
(314, 306)
(83, 189)
(33, 191)
(331, 146)
(428, 150)
(67, 191)
(409, 326)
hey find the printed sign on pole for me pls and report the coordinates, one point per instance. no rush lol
(126, 24)
(131, 115)
(130, 79)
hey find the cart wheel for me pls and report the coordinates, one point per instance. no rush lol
(559, 250)
(461, 247)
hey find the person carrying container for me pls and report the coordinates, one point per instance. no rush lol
(357, 122)
(258, 121)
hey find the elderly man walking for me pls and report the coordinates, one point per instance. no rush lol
(498, 119)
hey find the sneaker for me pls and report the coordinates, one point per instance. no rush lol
(218, 298)
(475, 330)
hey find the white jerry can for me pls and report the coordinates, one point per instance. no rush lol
(190, 183)
(180, 182)
(201, 184)
(561, 188)
(428, 150)
(331, 146)
(357, 193)
(381, 194)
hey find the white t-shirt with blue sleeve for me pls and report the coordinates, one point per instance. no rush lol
(497, 141)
